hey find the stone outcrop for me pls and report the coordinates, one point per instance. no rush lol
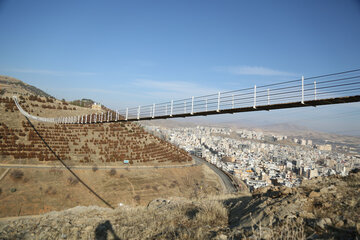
(320, 207)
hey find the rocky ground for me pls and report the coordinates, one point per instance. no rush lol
(321, 208)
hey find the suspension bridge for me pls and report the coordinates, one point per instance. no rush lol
(334, 88)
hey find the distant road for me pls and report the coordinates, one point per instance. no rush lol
(226, 180)
(4, 165)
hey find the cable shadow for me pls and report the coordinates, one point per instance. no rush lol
(67, 167)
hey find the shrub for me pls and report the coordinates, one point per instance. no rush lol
(50, 191)
(112, 172)
(137, 198)
(95, 168)
(56, 172)
(17, 174)
(73, 181)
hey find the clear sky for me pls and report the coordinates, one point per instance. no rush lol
(126, 53)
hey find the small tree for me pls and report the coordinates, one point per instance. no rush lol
(17, 174)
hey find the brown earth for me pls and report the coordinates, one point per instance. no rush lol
(322, 208)
(43, 190)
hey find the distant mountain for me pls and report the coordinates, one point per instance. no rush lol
(286, 128)
(16, 86)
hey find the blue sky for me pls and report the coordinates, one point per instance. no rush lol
(126, 53)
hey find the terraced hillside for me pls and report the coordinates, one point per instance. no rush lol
(96, 144)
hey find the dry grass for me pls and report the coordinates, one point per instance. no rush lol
(289, 229)
(128, 187)
(180, 219)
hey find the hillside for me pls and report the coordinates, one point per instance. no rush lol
(15, 86)
(76, 144)
(326, 208)
(97, 153)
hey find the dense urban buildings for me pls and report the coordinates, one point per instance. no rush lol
(261, 159)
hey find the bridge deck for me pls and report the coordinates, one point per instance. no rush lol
(310, 103)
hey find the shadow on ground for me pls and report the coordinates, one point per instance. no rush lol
(102, 230)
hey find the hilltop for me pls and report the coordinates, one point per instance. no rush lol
(97, 153)
(321, 208)
(83, 102)
(15, 86)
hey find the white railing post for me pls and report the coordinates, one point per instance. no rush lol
(171, 108)
(153, 111)
(302, 89)
(127, 114)
(254, 97)
(192, 105)
(268, 92)
(108, 116)
(138, 113)
(218, 105)
(233, 102)
(315, 89)
(95, 117)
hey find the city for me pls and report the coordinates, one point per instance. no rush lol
(261, 159)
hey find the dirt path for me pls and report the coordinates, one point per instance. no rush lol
(5, 165)
(4, 174)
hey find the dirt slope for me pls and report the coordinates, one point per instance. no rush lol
(326, 208)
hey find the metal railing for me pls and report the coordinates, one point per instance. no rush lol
(315, 88)
(303, 89)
